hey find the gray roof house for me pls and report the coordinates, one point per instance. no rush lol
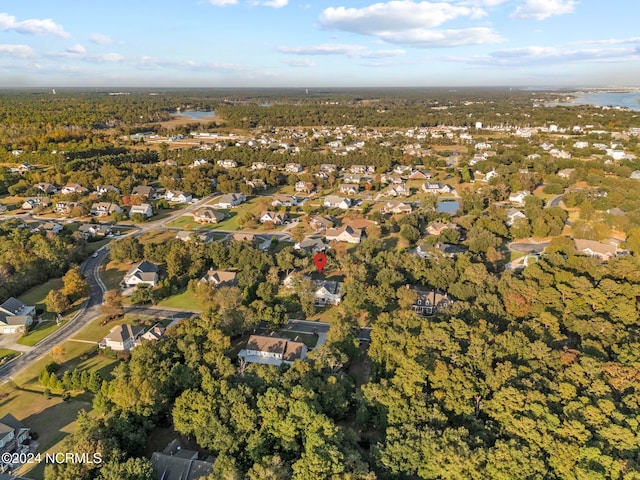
(15, 316)
(144, 272)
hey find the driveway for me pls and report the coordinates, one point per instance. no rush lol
(8, 340)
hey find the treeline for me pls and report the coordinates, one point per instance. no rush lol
(31, 258)
(75, 379)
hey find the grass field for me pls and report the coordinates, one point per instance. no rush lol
(42, 330)
(36, 295)
(185, 300)
(6, 354)
(112, 274)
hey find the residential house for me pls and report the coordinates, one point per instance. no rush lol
(33, 202)
(227, 163)
(144, 272)
(400, 190)
(635, 175)
(293, 168)
(393, 179)
(47, 188)
(102, 189)
(187, 236)
(178, 463)
(396, 207)
(306, 187)
(320, 223)
(52, 228)
(334, 201)
(311, 244)
(277, 218)
(436, 228)
(256, 183)
(154, 333)
(65, 208)
(364, 169)
(15, 316)
(349, 189)
(402, 169)
(280, 200)
(420, 175)
(272, 350)
(90, 230)
(430, 302)
(122, 338)
(593, 248)
(436, 188)
(259, 166)
(208, 215)
(352, 178)
(344, 234)
(145, 191)
(230, 200)
(328, 293)
(70, 188)
(143, 209)
(104, 209)
(220, 278)
(199, 161)
(245, 237)
(566, 172)
(178, 196)
(328, 167)
(518, 197)
(489, 175)
(513, 214)
(14, 439)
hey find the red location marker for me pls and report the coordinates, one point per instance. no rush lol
(320, 259)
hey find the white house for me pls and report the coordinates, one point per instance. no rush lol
(293, 168)
(284, 201)
(103, 209)
(344, 234)
(334, 201)
(277, 218)
(144, 209)
(122, 338)
(230, 200)
(144, 272)
(227, 163)
(328, 293)
(272, 350)
(15, 316)
(178, 196)
(518, 197)
(436, 187)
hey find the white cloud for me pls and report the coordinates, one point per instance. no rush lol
(101, 39)
(410, 23)
(33, 26)
(301, 63)
(17, 51)
(105, 58)
(79, 49)
(274, 3)
(536, 55)
(394, 16)
(542, 9)
(609, 41)
(222, 3)
(442, 38)
(352, 51)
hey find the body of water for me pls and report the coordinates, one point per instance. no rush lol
(448, 206)
(608, 99)
(195, 114)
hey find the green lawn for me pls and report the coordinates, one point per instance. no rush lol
(185, 300)
(157, 236)
(36, 295)
(6, 354)
(94, 332)
(112, 274)
(42, 330)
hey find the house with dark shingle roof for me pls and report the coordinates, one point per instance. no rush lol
(13, 438)
(144, 272)
(15, 316)
(122, 338)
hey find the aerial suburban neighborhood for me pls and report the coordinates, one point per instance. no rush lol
(410, 273)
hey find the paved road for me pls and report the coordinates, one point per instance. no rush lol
(555, 201)
(528, 247)
(88, 311)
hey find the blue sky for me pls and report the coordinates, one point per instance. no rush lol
(288, 43)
